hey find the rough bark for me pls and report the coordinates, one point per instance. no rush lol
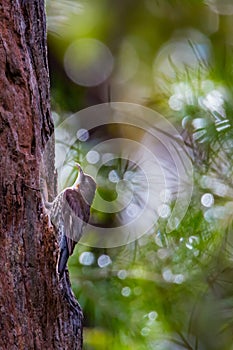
(36, 311)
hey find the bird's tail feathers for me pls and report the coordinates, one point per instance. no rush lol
(63, 257)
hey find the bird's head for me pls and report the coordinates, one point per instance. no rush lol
(80, 177)
(85, 184)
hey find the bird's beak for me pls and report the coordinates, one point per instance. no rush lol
(79, 168)
(80, 175)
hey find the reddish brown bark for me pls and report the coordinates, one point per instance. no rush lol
(36, 312)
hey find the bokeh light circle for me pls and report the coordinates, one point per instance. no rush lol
(88, 62)
(159, 165)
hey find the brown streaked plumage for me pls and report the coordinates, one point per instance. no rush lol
(70, 212)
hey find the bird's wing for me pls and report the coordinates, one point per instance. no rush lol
(75, 214)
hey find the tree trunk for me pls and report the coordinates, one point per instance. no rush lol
(37, 312)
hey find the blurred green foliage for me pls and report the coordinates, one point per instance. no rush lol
(173, 290)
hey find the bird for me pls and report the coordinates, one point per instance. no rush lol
(69, 213)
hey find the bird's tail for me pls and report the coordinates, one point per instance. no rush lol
(63, 257)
